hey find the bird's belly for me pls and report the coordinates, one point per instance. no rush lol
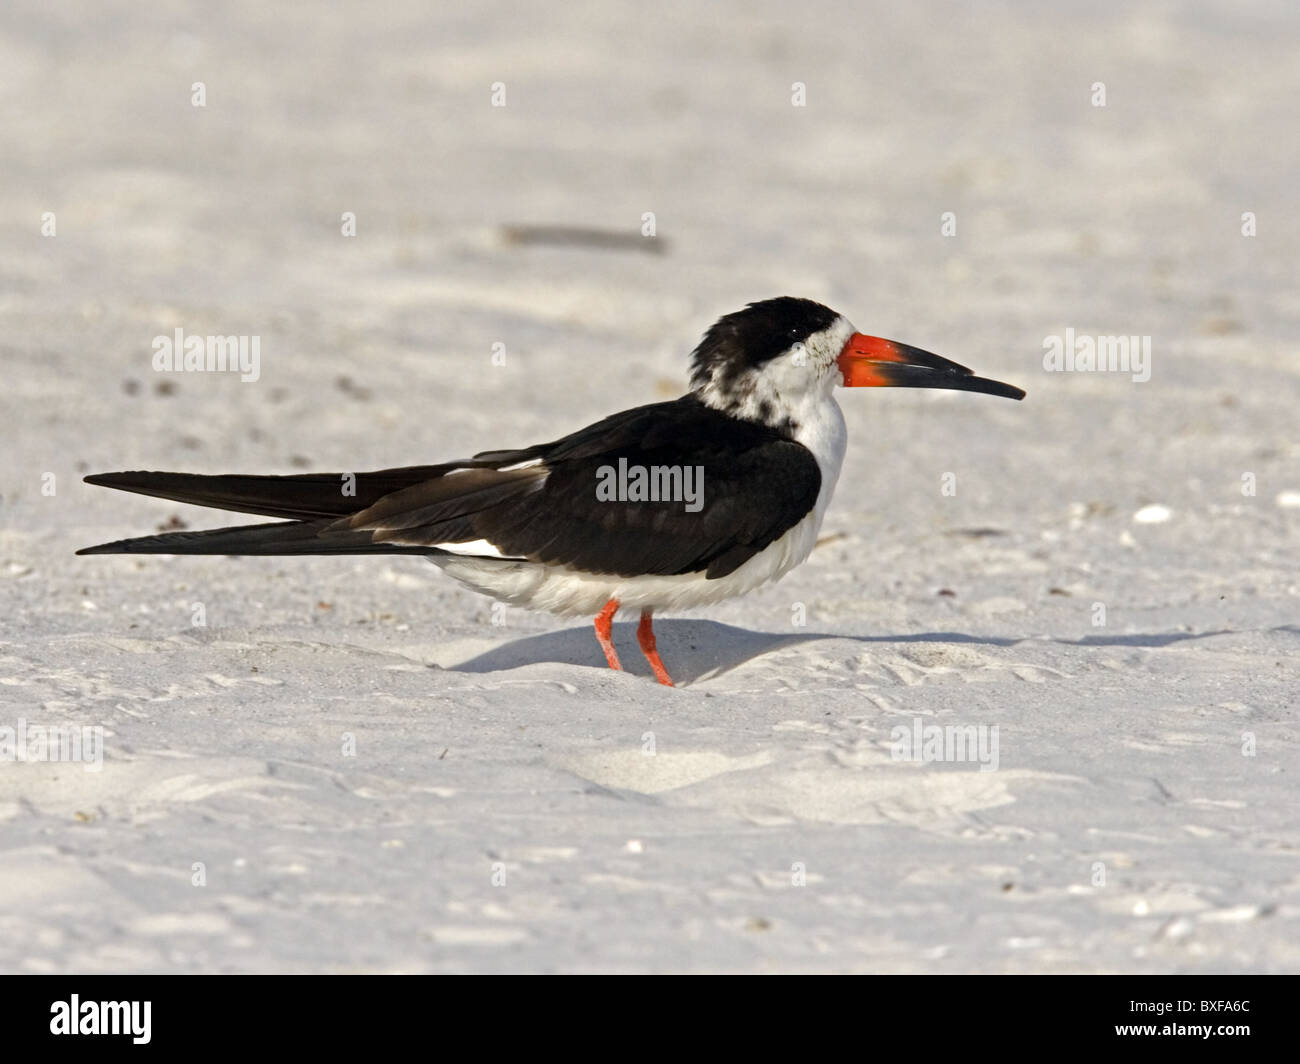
(570, 592)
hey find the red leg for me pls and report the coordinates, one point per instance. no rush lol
(645, 635)
(604, 620)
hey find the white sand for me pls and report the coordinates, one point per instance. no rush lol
(509, 746)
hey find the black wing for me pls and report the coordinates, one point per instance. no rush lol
(538, 504)
(756, 485)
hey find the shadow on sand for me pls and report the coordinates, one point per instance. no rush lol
(695, 649)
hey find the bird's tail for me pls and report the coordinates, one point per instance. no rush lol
(277, 537)
(315, 500)
(301, 496)
(321, 510)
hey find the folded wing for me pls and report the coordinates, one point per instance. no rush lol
(540, 504)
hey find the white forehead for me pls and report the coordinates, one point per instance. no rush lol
(809, 364)
(805, 373)
(824, 347)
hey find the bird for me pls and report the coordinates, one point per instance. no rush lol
(672, 505)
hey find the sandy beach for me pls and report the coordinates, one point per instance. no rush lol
(357, 765)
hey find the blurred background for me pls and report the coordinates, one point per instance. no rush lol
(809, 150)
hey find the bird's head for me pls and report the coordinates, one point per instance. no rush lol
(779, 354)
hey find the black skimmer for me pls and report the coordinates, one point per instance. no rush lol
(667, 506)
